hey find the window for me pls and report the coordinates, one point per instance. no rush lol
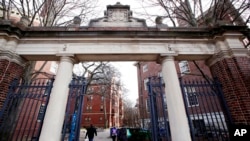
(145, 84)
(145, 68)
(191, 96)
(184, 67)
(89, 108)
(101, 108)
(148, 105)
(90, 89)
(160, 74)
(53, 67)
(199, 126)
(90, 98)
(88, 119)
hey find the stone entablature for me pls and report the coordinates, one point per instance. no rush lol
(38, 43)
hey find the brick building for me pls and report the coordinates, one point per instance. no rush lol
(103, 109)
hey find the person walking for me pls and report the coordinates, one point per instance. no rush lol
(113, 133)
(122, 135)
(91, 131)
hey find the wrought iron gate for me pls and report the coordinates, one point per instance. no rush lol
(73, 116)
(22, 115)
(158, 110)
(206, 110)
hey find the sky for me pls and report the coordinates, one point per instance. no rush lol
(128, 78)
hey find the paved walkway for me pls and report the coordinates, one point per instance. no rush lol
(101, 135)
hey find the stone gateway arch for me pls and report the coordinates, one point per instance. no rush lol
(120, 37)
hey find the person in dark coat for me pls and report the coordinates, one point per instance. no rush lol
(122, 134)
(91, 131)
(113, 133)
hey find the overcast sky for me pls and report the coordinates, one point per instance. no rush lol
(128, 78)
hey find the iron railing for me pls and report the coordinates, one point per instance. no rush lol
(207, 113)
(158, 110)
(24, 109)
(206, 109)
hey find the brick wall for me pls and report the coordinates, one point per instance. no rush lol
(234, 74)
(8, 71)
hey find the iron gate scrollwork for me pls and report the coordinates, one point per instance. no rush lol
(73, 115)
(21, 117)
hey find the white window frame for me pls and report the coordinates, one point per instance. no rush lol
(145, 68)
(190, 91)
(184, 67)
(53, 67)
(145, 84)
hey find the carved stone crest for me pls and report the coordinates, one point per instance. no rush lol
(117, 15)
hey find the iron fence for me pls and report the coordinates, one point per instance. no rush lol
(207, 113)
(22, 115)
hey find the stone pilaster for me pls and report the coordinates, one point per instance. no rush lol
(11, 66)
(231, 65)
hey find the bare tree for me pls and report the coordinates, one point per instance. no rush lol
(50, 12)
(46, 13)
(105, 77)
(131, 114)
(202, 12)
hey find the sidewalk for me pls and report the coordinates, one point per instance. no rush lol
(101, 135)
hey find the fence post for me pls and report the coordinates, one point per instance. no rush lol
(186, 109)
(152, 112)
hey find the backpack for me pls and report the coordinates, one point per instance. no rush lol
(113, 132)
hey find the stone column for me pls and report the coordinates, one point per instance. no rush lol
(54, 117)
(177, 115)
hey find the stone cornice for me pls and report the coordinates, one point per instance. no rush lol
(12, 57)
(117, 32)
(222, 54)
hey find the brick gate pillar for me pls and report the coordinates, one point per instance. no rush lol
(176, 111)
(231, 65)
(11, 66)
(54, 116)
